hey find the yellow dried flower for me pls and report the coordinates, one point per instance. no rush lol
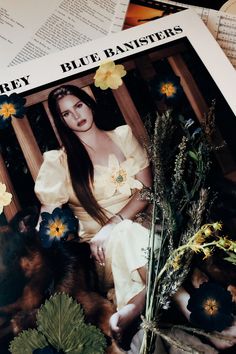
(208, 231)
(207, 252)
(176, 262)
(7, 110)
(199, 238)
(225, 242)
(195, 247)
(217, 226)
(168, 89)
(109, 75)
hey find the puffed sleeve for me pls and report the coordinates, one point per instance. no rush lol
(132, 147)
(51, 186)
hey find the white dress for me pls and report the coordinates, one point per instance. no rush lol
(113, 186)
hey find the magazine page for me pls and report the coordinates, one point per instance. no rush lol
(121, 9)
(229, 6)
(17, 26)
(117, 182)
(141, 11)
(30, 30)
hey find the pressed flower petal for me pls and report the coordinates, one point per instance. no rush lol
(3, 99)
(116, 177)
(211, 307)
(12, 106)
(104, 70)
(113, 162)
(2, 188)
(109, 65)
(119, 70)
(131, 166)
(99, 75)
(102, 170)
(168, 88)
(134, 183)
(4, 123)
(109, 75)
(110, 189)
(6, 198)
(57, 225)
(125, 189)
(114, 81)
(7, 110)
(102, 84)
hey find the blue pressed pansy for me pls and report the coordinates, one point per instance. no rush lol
(211, 307)
(47, 350)
(11, 106)
(167, 88)
(57, 226)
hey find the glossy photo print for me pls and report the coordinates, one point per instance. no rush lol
(117, 197)
(141, 11)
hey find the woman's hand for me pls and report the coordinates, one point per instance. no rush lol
(99, 242)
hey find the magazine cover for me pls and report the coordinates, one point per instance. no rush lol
(117, 196)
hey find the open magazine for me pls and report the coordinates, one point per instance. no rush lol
(126, 144)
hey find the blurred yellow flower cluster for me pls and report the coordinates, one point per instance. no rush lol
(203, 241)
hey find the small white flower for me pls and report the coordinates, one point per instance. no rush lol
(117, 177)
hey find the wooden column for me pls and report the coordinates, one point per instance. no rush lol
(190, 88)
(198, 103)
(45, 105)
(11, 209)
(130, 112)
(28, 145)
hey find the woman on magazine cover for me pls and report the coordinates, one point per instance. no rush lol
(100, 175)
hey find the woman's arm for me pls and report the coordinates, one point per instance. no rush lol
(135, 204)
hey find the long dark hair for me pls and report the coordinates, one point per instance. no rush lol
(79, 163)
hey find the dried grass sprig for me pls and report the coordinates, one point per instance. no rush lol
(171, 340)
(209, 335)
(180, 164)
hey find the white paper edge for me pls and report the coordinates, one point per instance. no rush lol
(48, 69)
